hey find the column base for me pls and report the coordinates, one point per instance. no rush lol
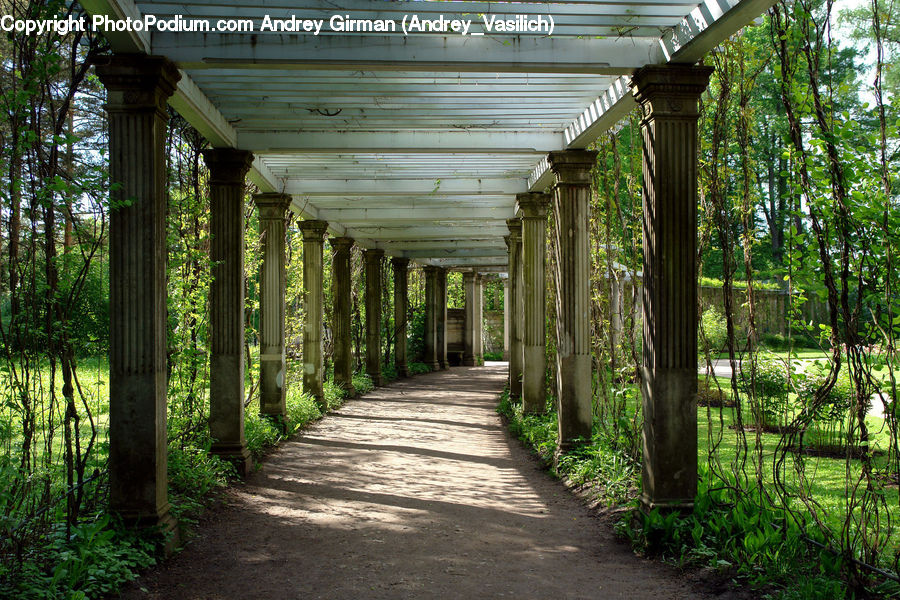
(163, 522)
(377, 380)
(237, 454)
(470, 361)
(445, 366)
(435, 366)
(681, 506)
(278, 420)
(402, 370)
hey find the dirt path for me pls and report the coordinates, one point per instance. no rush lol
(414, 491)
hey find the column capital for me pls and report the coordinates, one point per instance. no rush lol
(373, 254)
(227, 166)
(400, 262)
(313, 231)
(272, 206)
(342, 244)
(572, 166)
(137, 82)
(515, 229)
(670, 90)
(468, 276)
(534, 205)
(430, 270)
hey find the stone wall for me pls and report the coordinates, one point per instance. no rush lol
(771, 309)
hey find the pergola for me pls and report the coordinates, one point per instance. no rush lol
(442, 148)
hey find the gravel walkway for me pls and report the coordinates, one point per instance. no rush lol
(413, 491)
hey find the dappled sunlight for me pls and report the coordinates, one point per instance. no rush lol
(413, 491)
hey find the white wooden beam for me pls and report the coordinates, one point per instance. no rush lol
(431, 186)
(603, 113)
(456, 53)
(709, 24)
(541, 177)
(455, 253)
(413, 214)
(120, 41)
(427, 141)
(197, 110)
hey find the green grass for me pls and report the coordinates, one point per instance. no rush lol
(97, 556)
(725, 521)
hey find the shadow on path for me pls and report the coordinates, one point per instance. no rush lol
(413, 491)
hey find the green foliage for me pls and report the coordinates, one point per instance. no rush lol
(418, 368)
(92, 562)
(767, 387)
(714, 329)
(194, 474)
(739, 284)
(739, 536)
(594, 462)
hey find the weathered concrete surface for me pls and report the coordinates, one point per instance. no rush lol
(137, 89)
(414, 491)
(272, 391)
(571, 221)
(313, 300)
(534, 295)
(227, 169)
(341, 285)
(669, 100)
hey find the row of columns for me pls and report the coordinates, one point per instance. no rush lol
(668, 97)
(138, 87)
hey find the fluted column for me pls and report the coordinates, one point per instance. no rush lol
(272, 373)
(313, 241)
(227, 169)
(668, 97)
(401, 304)
(571, 212)
(506, 316)
(469, 325)
(534, 207)
(441, 324)
(479, 319)
(431, 317)
(514, 245)
(373, 314)
(341, 286)
(137, 88)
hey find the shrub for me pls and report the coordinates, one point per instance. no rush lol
(714, 329)
(767, 389)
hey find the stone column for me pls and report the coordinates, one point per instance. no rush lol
(506, 312)
(534, 207)
(514, 245)
(668, 97)
(469, 328)
(373, 314)
(401, 303)
(341, 285)
(479, 319)
(137, 88)
(571, 212)
(313, 298)
(272, 372)
(441, 325)
(227, 169)
(431, 317)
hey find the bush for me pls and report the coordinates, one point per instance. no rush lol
(768, 390)
(714, 329)
(710, 394)
(829, 416)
